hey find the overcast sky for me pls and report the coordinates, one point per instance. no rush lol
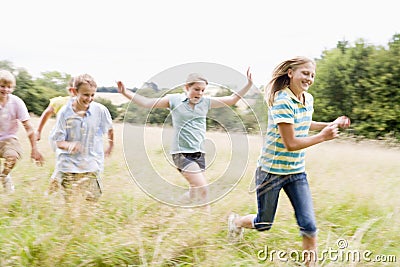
(134, 40)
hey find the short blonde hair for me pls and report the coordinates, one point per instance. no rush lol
(83, 79)
(7, 77)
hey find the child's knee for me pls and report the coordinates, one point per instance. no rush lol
(10, 162)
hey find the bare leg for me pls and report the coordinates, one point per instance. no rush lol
(9, 165)
(198, 190)
(245, 221)
(310, 246)
(4, 176)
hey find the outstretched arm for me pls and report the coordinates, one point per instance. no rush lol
(218, 102)
(328, 131)
(293, 143)
(342, 122)
(142, 100)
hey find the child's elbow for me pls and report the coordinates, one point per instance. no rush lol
(290, 146)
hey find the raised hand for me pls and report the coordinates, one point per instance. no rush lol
(249, 78)
(121, 87)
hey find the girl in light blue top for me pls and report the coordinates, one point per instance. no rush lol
(189, 111)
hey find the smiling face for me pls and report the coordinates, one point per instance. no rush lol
(195, 91)
(84, 96)
(6, 88)
(301, 77)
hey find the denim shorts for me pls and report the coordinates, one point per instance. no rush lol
(296, 188)
(182, 160)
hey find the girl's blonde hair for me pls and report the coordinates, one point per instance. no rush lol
(280, 79)
(7, 77)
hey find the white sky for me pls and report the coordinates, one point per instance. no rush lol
(134, 40)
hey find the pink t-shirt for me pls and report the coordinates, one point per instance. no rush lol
(15, 110)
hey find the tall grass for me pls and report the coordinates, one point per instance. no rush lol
(354, 187)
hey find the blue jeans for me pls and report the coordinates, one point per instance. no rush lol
(296, 188)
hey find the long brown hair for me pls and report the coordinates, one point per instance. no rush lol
(280, 79)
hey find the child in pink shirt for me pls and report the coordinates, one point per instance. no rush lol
(12, 110)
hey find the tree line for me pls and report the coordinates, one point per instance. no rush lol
(359, 80)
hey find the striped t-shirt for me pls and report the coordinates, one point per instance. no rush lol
(275, 158)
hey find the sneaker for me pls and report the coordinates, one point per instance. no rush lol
(234, 232)
(7, 184)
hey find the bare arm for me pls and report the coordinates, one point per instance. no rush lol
(328, 131)
(341, 122)
(35, 154)
(142, 100)
(318, 126)
(293, 143)
(110, 142)
(218, 102)
(71, 147)
(47, 113)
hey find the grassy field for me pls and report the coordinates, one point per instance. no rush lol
(354, 187)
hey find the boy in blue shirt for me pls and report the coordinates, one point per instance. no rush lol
(78, 137)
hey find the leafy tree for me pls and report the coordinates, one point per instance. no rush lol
(361, 81)
(6, 65)
(109, 105)
(54, 80)
(26, 89)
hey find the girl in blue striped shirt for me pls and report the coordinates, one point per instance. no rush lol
(281, 164)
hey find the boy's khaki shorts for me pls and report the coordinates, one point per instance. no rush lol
(10, 148)
(81, 185)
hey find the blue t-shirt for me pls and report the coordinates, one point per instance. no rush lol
(189, 123)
